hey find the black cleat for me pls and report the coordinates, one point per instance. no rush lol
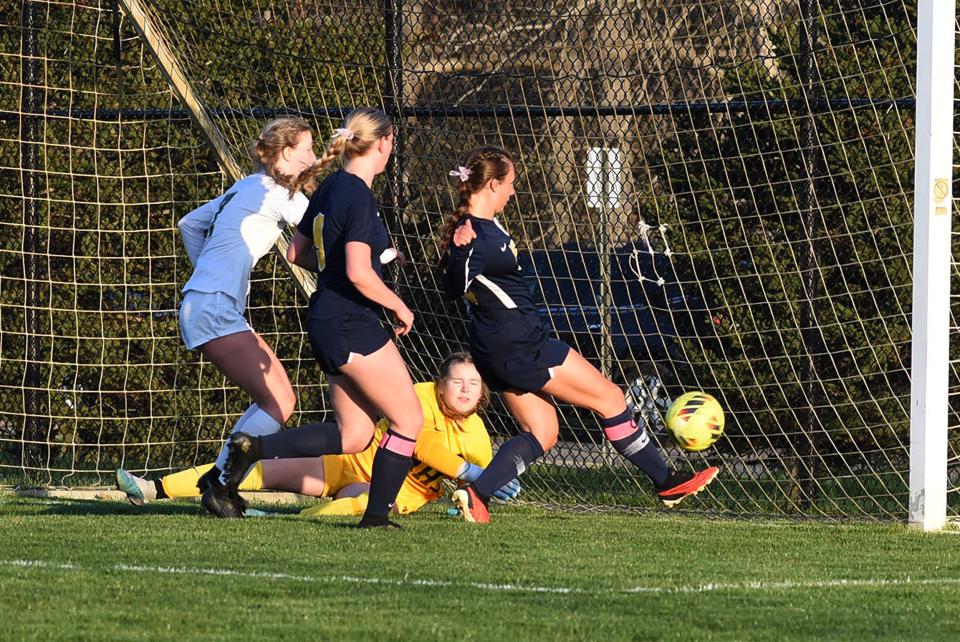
(220, 502)
(377, 521)
(243, 452)
(208, 479)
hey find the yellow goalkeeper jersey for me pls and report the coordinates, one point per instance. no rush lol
(441, 448)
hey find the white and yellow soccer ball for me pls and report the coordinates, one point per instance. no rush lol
(695, 420)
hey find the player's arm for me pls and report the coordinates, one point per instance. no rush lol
(302, 252)
(462, 266)
(194, 226)
(431, 449)
(478, 449)
(363, 277)
(306, 246)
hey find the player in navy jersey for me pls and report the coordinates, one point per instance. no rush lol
(224, 239)
(515, 352)
(343, 237)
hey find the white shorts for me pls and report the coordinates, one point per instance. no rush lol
(205, 316)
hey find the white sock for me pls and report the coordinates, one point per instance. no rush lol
(241, 422)
(147, 488)
(253, 422)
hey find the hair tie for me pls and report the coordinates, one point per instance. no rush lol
(345, 132)
(462, 172)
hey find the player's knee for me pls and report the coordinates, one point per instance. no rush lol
(546, 435)
(286, 403)
(610, 401)
(352, 444)
(409, 423)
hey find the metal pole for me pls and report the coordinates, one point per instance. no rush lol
(395, 201)
(32, 453)
(803, 474)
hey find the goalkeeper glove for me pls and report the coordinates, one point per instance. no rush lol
(469, 472)
(508, 491)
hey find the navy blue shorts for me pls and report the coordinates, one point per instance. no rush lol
(526, 373)
(334, 338)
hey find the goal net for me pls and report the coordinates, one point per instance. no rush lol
(711, 196)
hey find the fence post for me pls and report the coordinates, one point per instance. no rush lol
(32, 454)
(393, 104)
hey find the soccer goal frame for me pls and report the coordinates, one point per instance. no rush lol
(932, 264)
(726, 205)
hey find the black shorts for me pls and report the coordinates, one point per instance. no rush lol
(334, 338)
(527, 373)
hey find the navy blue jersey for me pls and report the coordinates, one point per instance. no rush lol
(504, 315)
(341, 210)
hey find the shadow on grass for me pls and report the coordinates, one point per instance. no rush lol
(64, 506)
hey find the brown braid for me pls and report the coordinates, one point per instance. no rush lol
(485, 164)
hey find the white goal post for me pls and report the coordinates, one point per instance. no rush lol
(931, 260)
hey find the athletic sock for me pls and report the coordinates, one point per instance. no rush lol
(254, 478)
(512, 459)
(184, 482)
(240, 425)
(312, 440)
(161, 493)
(390, 466)
(253, 422)
(634, 444)
(342, 506)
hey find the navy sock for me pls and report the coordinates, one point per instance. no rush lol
(390, 466)
(161, 493)
(634, 443)
(512, 459)
(312, 440)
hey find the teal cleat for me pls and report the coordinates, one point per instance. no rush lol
(139, 491)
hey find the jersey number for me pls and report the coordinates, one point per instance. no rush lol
(424, 474)
(223, 203)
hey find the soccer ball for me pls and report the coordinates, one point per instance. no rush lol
(695, 420)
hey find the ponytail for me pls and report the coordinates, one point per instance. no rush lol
(481, 165)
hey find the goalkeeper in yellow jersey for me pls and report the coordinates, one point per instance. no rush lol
(453, 444)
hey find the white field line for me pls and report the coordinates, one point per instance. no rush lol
(484, 586)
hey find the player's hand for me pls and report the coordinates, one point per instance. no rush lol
(404, 319)
(469, 472)
(508, 491)
(464, 234)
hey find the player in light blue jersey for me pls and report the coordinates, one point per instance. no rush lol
(224, 239)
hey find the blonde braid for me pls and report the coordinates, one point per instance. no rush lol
(307, 180)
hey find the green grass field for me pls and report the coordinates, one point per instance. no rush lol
(105, 570)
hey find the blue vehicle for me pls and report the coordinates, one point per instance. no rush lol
(649, 309)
